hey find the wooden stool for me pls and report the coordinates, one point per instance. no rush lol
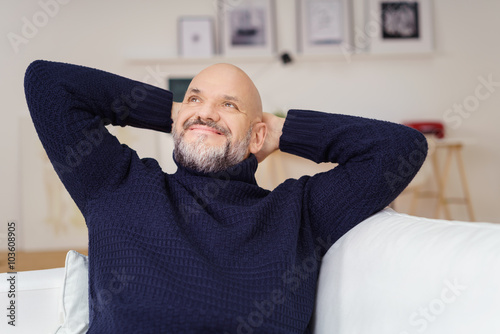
(452, 148)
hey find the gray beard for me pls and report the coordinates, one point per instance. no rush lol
(206, 158)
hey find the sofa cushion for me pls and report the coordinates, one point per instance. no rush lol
(36, 301)
(395, 273)
(74, 305)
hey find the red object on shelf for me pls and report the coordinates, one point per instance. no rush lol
(435, 128)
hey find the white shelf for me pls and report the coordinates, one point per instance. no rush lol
(199, 61)
(141, 60)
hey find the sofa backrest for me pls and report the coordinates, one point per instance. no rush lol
(399, 274)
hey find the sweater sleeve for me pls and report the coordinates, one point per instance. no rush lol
(376, 161)
(70, 106)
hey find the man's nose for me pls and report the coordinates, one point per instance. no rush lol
(208, 112)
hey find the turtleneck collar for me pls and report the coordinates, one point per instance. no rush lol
(243, 171)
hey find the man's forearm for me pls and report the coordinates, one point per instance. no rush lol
(115, 99)
(337, 138)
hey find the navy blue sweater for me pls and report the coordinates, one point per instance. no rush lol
(197, 253)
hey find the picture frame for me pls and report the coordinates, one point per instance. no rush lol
(178, 86)
(196, 37)
(246, 27)
(399, 26)
(324, 26)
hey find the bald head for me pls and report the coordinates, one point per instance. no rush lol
(230, 81)
(220, 122)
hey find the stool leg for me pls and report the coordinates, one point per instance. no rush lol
(465, 187)
(414, 199)
(442, 182)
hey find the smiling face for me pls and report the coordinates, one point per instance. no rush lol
(220, 121)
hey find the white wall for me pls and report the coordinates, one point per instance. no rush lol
(105, 34)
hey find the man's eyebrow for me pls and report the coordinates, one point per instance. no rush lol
(231, 98)
(194, 91)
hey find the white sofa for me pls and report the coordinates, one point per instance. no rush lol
(391, 274)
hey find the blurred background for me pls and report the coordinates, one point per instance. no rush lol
(455, 84)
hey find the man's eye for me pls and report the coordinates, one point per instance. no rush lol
(194, 99)
(229, 105)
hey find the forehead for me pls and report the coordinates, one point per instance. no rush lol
(213, 83)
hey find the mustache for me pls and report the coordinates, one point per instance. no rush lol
(211, 124)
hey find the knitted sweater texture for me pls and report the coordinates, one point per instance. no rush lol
(195, 253)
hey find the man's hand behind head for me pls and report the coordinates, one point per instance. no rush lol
(176, 106)
(274, 126)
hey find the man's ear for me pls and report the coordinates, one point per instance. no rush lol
(258, 137)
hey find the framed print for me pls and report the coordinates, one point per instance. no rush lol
(247, 27)
(196, 37)
(400, 26)
(324, 26)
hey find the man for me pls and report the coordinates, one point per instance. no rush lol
(206, 250)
